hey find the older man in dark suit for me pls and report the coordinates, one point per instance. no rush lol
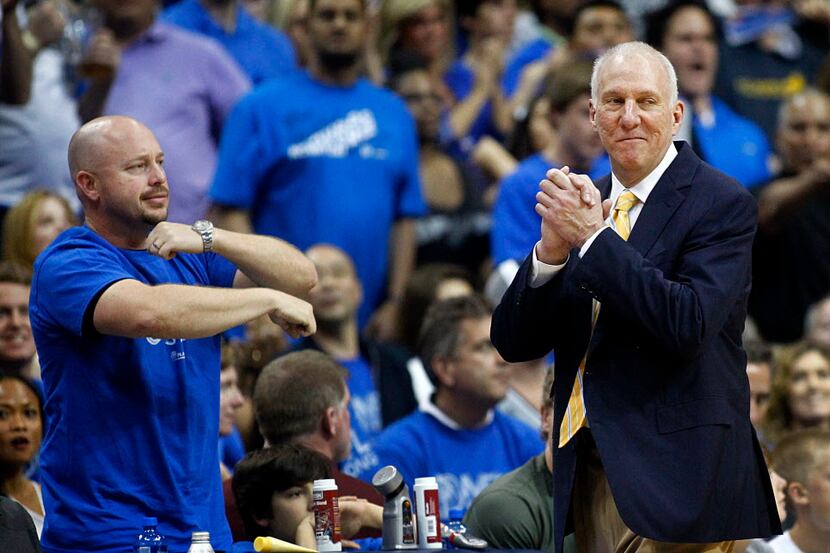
(642, 297)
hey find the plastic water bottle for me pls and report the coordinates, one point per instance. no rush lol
(149, 540)
(454, 525)
(200, 543)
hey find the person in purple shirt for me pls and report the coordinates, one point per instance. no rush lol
(180, 84)
(262, 52)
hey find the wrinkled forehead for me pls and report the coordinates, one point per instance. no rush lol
(633, 70)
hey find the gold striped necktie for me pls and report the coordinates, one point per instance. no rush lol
(575, 415)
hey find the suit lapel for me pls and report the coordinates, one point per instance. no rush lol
(664, 199)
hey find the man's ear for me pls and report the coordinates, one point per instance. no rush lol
(677, 116)
(329, 422)
(442, 368)
(87, 185)
(797, 493)
(592, 114)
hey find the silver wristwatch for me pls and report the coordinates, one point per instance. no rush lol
(204, 229)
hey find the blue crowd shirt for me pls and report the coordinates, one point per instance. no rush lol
(516, 225)
(231, 449)
(262, 52)
(465, 461)
(364, 409)
(320, 163)
(734, 144)
(133, 421)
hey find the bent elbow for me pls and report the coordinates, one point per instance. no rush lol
(308, 278)
(146, 323)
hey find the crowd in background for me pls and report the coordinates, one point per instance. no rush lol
(406, 170)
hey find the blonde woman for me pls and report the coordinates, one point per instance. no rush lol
(32, 224)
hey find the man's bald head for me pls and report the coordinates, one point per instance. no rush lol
(118, 169)
(91, 140)
(622, 54)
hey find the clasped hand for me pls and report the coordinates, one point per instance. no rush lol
(168, 239)
(571, 209)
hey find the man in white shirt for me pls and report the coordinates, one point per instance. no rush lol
(803, 459)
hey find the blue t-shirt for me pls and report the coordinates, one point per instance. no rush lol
(516, 225)
(261, 51)
(319, 163)
(464, 461)
(133, 422)
(734, 144)
(364, 409)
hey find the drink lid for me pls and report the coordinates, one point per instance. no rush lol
(426, 481)
(325, 484)
(387, 480)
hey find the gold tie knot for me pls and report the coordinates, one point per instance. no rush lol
(626, 201)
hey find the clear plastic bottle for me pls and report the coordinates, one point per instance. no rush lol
(149, 540)
(200, 543)
(454, 525)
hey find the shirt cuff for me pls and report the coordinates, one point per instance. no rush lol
(590, 241)
(542, 273)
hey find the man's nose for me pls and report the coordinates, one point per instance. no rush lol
(18, 317)
(631, 115)
(157, 174)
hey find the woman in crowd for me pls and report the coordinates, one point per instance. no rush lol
(800, 395)
(422, 28)
(21, 429)
(32, 224)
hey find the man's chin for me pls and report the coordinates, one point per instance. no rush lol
(155, 218)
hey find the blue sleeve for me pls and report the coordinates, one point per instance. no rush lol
(410, 201)
(534, 51)
(516, 225)
(240, 165)
(221, 272)
(460, 80)
(69, 279)
(288, 61)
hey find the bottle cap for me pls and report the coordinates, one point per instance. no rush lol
(387, 480)
(201, 537)
(150, 521)
(426, 481)
(325, 484)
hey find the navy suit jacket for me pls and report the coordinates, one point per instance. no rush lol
(665, 382)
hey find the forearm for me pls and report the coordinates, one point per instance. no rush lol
(267, 261)
(133, 309)
(92, 102)
(782, 196)
(502, 112)
(15, 63)
(402, 256)
(464, 113)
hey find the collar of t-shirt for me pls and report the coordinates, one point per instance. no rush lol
(641, 190)
(431, 409)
